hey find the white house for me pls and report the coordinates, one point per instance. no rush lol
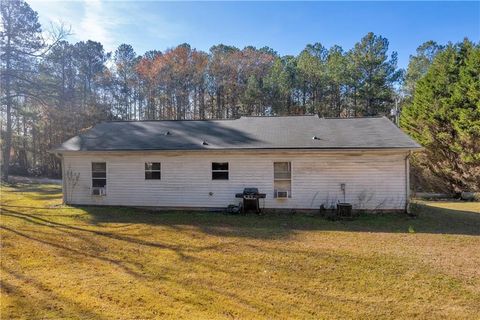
(299, 162)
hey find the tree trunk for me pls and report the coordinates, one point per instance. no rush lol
(202, 104)
(34, 145)
(8, 135)
(24, 156)
(219, 104)
(355, 101)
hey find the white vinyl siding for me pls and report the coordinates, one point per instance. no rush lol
(372, 180)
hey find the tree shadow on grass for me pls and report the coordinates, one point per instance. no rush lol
(97, 250)
(44, 299)
(97, 230)
(270, 226)
(88, 235)
(276, 226)
(203, 287)
(38, 191)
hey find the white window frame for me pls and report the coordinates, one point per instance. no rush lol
(275, 191)
(221, 170)
(153, 170)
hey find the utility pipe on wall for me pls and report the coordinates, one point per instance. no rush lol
(407, 181)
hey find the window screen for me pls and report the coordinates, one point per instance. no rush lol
(282, 179)
(99, 174)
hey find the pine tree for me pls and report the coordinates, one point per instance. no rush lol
(373, 75)
(419, 65)
(445, 117)
(125, 59)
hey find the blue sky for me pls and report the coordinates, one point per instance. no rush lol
(285, 26)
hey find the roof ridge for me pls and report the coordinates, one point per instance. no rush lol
(349, 118)
(169, 120)
(289, 116)
(244, 117)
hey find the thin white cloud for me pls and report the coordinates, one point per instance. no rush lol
(112, 22)
(140, 16)
(97, 24)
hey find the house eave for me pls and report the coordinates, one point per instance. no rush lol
(243, 150)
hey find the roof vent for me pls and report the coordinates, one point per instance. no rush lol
(205, 143)
(168, 133)
(315, 138)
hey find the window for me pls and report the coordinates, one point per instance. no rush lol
(152, 171)
(219, 170)
(282, 179)
(99, 174)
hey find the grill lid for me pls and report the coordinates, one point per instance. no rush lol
(250, 191)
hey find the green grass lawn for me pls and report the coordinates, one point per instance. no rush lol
(119, 263)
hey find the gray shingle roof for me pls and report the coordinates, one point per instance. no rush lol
(292, 132)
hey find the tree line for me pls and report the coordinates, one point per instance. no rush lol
(53, 89)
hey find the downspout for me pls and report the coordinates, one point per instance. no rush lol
(407, 182)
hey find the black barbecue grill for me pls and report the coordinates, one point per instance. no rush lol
(251, 198)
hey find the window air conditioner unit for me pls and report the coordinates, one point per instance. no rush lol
(281, 194)
(99, 191)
